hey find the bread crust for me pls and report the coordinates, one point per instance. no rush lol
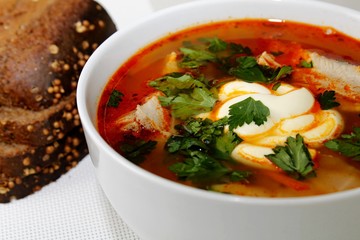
(44, 45)
(19, 160)
(34, 177)
(38, 128)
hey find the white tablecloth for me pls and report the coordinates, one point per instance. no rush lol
(74, 207)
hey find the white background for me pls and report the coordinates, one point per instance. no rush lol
(75, 207)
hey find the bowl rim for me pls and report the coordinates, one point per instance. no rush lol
(92, 132)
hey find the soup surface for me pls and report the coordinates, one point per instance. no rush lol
(250, 107)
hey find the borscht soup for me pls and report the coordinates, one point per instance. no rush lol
(253, 107)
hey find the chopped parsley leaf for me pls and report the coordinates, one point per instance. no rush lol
(185, 95)
(327, 100)
(348, 144)
(184, 144)
(115, 98)
(236, 48)
(136, 149)
(205, 146)
(195, 58)
(232, 58)
(249, 70)
(294, 158)
(225, 144)
(281, 72)
(202, 167)
(305, 64)
(174, 83)
(185, 105)
(215, 44)
(201, 133)
(279, 53)
(276, 86)
(247, 111)
(213, 50)
(199, 166)
(237, 176)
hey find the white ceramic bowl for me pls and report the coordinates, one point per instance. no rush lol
(158, 209)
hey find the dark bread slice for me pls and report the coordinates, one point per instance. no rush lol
(43, 47)
(37, 128)
(19, 160)
(34, 177)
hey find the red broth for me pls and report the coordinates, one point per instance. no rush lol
(334, 172)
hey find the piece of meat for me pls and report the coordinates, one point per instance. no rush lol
(331, 74)
(171, 64)
(149, 116)
(267, 59)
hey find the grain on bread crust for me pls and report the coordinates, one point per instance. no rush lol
(18, 160)
(38, 128)
(20, 187)
(43, 47)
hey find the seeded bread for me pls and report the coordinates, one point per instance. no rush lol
(39, 171)
(38, 128)
(19, 160)
(43, 47)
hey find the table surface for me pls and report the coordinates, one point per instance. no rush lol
(74, 207)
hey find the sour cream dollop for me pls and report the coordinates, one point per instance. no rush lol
(292, 111)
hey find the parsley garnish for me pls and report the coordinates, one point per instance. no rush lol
(195, 58)
(294, 158)
(208, 50)
(232, 58)
(136, 149)
(236, 48)
(215, 44)
(305, 64)
(327, 100)
(204, 129)
(281, 72)
(247, 111)
(175, 83)
(205, 146)
(279, 53)
(199, 166)
(237, 176)
(249, 70)
(185, 95)
(276, 86)
(195, 134)
(348, 144)
(202, 167)
(115, 98)
(225, 144)
(185, 105)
